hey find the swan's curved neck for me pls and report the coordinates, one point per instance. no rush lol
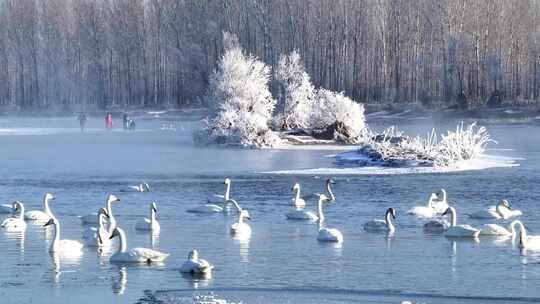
(388, 221)
(112, 220)
(56, 237)
(329, 192)
(122, 240)
(152, 215)
(454, 217)
(46, 206)
(522, 235)
(320, 214)
(443, 196)
(297, 195)
(21, 212)
(430, 202)
(227, 191)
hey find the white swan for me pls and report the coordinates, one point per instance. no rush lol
(436, 226)
(218, 198)
(62, 246)
(528, 242)
(328, 192)
(15, 223)
(497, 230)
(216, 203)
(382, 225)
(151, 224)
(194, 265)
(142, 187)
(441, 203)
(38, 215)
(6, 208)
(459, 230)
(425, 211)
(134, 255)
(240, 228)
(298, 212)
(326, 234)
(98, 236)
(501, 211)
(93, 218)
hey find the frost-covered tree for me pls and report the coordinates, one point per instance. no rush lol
(241, 101)
(297, 93)
(337, 110)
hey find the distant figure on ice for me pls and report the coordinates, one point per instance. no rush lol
(125, 121)
(108, 121)
(131, 125)
(82, 120)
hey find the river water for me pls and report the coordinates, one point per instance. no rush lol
(282, 262)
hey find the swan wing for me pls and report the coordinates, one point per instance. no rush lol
(490, 213)
(36, 215)
(462, 231)
(422, 211)
(494, 229)
(148, 255)
(330, 235)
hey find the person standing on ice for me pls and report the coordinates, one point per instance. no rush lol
(82, 120)
(108, 121)
(125, 120)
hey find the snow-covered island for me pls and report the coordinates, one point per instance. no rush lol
(245, 114)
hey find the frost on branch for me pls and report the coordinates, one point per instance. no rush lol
(392, 148)
(241, 102)
(297, 93)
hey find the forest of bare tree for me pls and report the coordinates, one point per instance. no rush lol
(97, 54)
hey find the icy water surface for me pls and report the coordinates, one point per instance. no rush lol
(282, 262)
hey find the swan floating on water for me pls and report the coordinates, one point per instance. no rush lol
(15, 223)
(528, 242)
(382, 225)
(455, 230)
(497, 230)
(194, 265)
(98, 236)
(328, 192)
(240, 228)
(425, 211)
(326, 234)
(151, 224)
(93, 218)
(142, 187)
(503, 210)
(216, 203)
(298, 212)
(440, 204)
(134, 255)
(62, 246)
(38, 215)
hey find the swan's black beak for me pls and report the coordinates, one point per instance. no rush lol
(100, 241)
(446, 212)
(112, 236)
(49, 223)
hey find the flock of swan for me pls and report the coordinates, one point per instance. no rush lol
(105, 227)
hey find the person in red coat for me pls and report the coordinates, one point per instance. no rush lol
(108, 121)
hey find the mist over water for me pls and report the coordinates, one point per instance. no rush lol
(50, 154)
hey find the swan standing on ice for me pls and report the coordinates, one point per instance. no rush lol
(298, 212)
(142, 187)
(501, 211)
(529, 242)
(455, 230)
(440, 204)
(93, 218)
(149, 224)
(194, 265)
(328, 192)
(382, 225)
(62, 246)
(98, 236)
(134, 255)
(216, 202)
(425, 211)
(15, 223)
(38, 215)
(326, 234)
(240, 229)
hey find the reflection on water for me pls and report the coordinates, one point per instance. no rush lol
(154, 240)
(119, 281)
(243, 243)
(199, 280)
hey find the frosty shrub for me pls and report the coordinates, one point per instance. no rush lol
(297, 93)
(392, 148)
(241, 102)
(335, 108)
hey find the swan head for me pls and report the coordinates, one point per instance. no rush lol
(505, 203)
(442, 194)
(449, 210)
(330, 181)
(16, 205)
(296, 187)
(227, 181)
(154, 207)
(322, 197)
(112, 198)
(193, 255)
(50, 222)
(49, 196)
(104, 212)
(392, 212)
(245, 214)
(145, 186)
